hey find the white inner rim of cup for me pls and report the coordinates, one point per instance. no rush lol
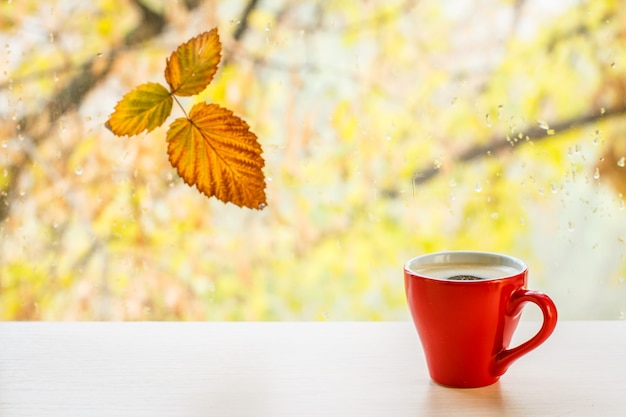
(483, 258)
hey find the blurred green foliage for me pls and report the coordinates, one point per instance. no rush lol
(390, 129)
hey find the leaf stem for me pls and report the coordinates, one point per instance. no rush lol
(180, 105)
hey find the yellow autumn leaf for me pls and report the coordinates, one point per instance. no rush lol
(192, 66)
(215, 151)
(145, 107)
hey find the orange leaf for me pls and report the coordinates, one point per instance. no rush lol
(215, 151)
(145, 107)
(191, 67)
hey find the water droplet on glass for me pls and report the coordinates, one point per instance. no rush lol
(78, 170)
(554, 188)
(596, 174)
(612, 64)
(596, 138)
(5, 145)
(602, 110)
(620, 280)
(387, 136)
(570, 226)
(620, 205)
(622, 162)
(267, 27)
(500, 107)
(51, 37)
(478, 187)
(621, 315)
(487, 120)
(543, 124)
(56, 78)
(454, 100)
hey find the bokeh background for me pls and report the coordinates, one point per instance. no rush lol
(389, 129)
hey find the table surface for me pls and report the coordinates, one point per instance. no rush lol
(293, 369)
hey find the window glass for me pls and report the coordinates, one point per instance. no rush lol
(389, 129)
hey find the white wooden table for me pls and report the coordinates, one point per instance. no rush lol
(292, 369)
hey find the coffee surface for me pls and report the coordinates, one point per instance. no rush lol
(464, 271)
(464, 278)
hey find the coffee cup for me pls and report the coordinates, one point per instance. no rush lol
(466, 306)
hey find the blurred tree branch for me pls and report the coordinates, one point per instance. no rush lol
(242, 27)
(245, 17)
(534, 134)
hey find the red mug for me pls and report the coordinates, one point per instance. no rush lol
(466, 306)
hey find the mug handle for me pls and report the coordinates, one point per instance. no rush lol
(505, 358)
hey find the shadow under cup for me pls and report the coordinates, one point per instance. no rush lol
(466, 306)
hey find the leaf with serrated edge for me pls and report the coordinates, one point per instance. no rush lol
(190, 68)
(145, 107)
(215, 151)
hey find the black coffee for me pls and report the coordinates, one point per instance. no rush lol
(465, 278)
